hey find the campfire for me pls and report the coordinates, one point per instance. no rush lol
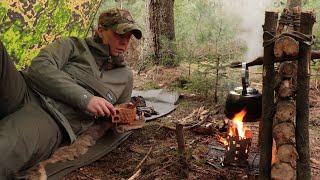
(238, 142)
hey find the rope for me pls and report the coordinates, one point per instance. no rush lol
(286, 18)
(298, 36)
(290, 19)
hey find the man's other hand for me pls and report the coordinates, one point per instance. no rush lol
(100, 107)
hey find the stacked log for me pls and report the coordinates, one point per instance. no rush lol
(284, 124)
(284, 136)
(284, 118)
(290, 123)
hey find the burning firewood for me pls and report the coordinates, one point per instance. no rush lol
(238, 142)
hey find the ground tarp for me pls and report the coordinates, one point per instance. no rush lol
(161, 100)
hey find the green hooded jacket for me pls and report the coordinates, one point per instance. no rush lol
(69, 72)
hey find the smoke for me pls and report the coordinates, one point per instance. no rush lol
(248, 16)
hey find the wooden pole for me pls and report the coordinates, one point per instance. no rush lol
(303, 83)
(180, 139)
(271, 19)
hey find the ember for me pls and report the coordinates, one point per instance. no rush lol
(238, 142)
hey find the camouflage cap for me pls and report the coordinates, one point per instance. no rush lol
(119, 21)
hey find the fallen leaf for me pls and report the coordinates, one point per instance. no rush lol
(314, 161)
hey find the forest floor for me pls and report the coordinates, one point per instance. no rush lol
(200, 161)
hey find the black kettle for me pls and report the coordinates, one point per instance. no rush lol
(244, 97)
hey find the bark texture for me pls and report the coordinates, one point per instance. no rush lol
(270, 26)
(303, 80)
(159, 32)
(151, 47)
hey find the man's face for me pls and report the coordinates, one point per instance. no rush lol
(118, 42)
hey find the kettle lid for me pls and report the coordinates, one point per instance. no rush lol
(250, 91)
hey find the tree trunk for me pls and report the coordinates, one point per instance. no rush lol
(167, 32)
(151, 48)
(159, 24)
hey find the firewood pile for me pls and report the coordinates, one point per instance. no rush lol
(291, 85)
(284, 118)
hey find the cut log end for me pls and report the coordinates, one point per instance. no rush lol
(282, 171)
(288, 70)
(284, 133)
(285, 111)
(286, 46)
(286, 89)
(287, 153)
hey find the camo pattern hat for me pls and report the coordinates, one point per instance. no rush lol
(119, 21)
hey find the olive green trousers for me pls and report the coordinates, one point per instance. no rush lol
(28, 134)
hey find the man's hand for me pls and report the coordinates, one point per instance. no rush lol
(100, 107)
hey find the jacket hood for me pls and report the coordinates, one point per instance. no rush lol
(101, 53)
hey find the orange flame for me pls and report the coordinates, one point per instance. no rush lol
(237, 122)
(222, 140)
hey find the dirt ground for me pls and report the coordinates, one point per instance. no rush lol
(164, 162)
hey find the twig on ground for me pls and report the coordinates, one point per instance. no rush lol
(135, 175)
(168, 127)
(144, 159)
(220, 148)
(200, 115)
(200, 170)
(193, 114)
(196, 125)
(315, 166)
(169, 163)
(84, 174)
(213, 165)
(185, 128)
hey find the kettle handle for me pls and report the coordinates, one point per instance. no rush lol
(244, 78)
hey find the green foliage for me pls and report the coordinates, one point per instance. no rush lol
(314, 5)
(148, 85)
(199, 82)
(207, 39)
(168, 53)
